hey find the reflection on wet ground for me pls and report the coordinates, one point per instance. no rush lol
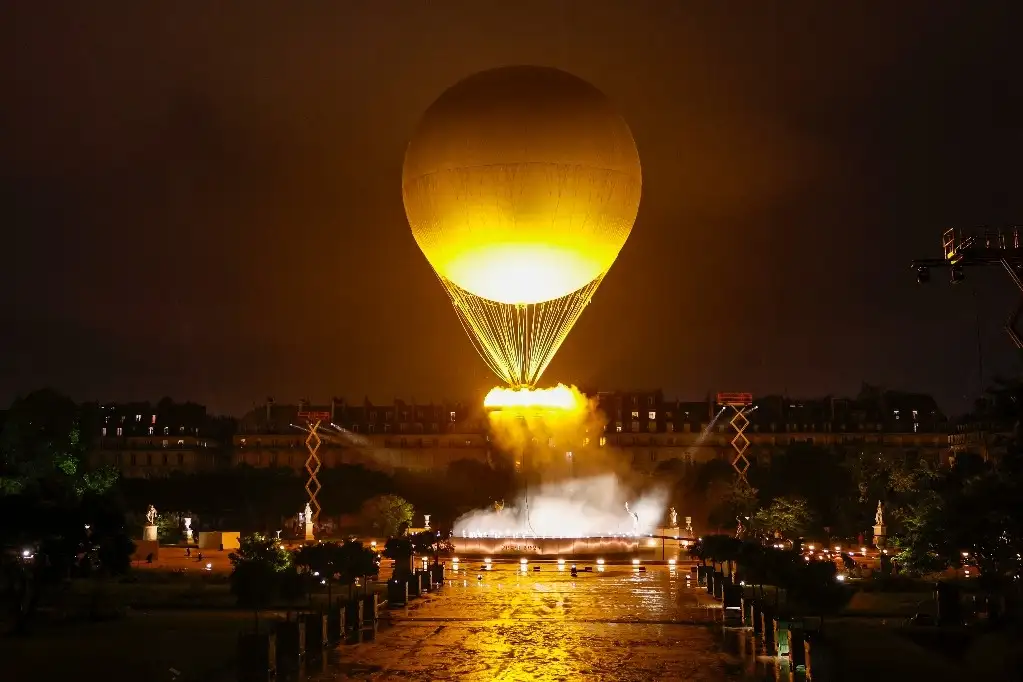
(616, 624)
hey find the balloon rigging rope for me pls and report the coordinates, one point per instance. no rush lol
(518, 341)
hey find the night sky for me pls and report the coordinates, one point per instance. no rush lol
(207, 204)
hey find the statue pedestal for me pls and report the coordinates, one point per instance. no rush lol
(149, 533)
(880, 533)
(309, 531)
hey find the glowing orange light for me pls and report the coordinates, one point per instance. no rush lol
(560, 397)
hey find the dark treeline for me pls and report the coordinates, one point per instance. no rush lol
(257, 499)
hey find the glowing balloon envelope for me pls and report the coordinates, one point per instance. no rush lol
(521, 185)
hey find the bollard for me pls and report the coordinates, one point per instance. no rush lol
(397, 592)
(424, 581)
(797, 647)
(335, 622)
(732, 602)
(950, 611)
(290, 645)
(780, 636)
(758, 620)
(701, 574)
(353, 618)
(257, 657)
(709, 582)
(415, 588)
(807, 654)
(719, 585)
(767, 630)
(370, 605)
(747, 611)
(437, 574)
(315, 632)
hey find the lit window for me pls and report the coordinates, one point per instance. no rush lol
(166, 430)
(153, 420)
(150, 430)
(138, 418)
(166, 442)
(120, 431)
(618, 427)
(651, 415)
(550, 442)
(452, 416)
(104, 431)
(635, 414)
(181, 442)
(586, 441)
(916, 427)
(603, 441)
(914, 415)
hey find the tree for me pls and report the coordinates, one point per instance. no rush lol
(52, 542)
(42, 449)
(387, 514)
(789, 516)
(740, 501)
(259, 566)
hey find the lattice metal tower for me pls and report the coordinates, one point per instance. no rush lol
(739, 404)
(313, 463)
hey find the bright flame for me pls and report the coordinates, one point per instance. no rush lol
(560, 397)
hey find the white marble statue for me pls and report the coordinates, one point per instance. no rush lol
(879, 515)
(188, 524)
(308, 513)
(151, 515)
(674, 518)
(689, 525)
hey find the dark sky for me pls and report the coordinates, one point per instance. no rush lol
(207, 204)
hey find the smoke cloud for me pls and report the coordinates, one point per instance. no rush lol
(570, 508)
(574, 486)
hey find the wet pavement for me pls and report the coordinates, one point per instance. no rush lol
(615, 624)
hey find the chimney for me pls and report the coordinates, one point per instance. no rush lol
(269, 408)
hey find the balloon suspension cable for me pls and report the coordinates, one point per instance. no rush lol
(518, 340)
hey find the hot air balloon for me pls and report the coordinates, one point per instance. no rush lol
(521, 185)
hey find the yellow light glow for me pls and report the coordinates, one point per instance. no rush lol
(521, 186)
(560, 397)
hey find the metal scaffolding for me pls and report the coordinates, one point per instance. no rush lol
(313, 463)
(981, 247)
